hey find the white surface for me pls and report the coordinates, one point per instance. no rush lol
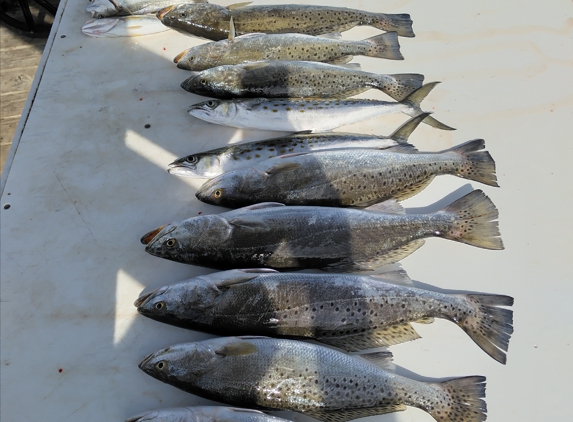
(88, 180)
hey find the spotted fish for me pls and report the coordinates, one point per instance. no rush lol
(204, 414)
(332, 239)
(347, 177)
(316, 115)
(323, 383)
(213, 22)
(297, 79)
(352, 312)
(255, 47)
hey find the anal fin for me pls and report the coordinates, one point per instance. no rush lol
(381, 337)
(343, 415)
(412, 190)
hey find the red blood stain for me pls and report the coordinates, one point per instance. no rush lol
(200, 212)
(141, 99)
(60, 370)
(164, 49)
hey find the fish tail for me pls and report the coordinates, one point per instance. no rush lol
(415, 99)
(473, 221)
(384, 46)
(476, 165)
(460, 400)
(400, 86)
(488, 325)
(399, 23)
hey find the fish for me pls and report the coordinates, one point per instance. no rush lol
(123, 26)
(256, 47)
(347, 177)
(212, 22)
(332, 239)
(297, 79)
(212, 163)
(316, 115)
(348, 311)
(323, 383)
(204, 414)
(105, 8)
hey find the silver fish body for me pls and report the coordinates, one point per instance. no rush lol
(213, 22)
(296, 79)
(256, 47)
(323, 383)
(232, 157)
(204, 414)
(352, 312)
(332, 239)
(106, 8)
(316, 115)
(346, 177)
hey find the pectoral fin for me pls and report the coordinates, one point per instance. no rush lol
(237, 349)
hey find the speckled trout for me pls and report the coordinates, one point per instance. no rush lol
(323, 383)
(105, 8)
(255, 47)
(316, 115)
(204, 414)
(213, 22)
(348, 311)
(332, 239)
(347, 177)
(297, 79)
(232, 157)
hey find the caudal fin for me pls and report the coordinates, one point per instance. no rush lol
(399, 23)
(415, 99)
(461, 400)
(488, 325)
(473, 221)
(400, 86)
(384, 46)
(476, 165)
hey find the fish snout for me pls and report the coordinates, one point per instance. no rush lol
(148, 237)
(164, 11)
(178, 57)
(145, 297)
(143, 365)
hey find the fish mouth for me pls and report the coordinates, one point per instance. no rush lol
(145, 416)
(144, 297)
(143, 364)
(179, 56)
(163, 12)
(148, 237)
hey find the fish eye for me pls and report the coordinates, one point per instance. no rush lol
(203, 82)
(160, 365)
(192, 58)
(211, 104)
(182, 14)
(170, 243)
(191, 159)
(159, 305)
(218, 193)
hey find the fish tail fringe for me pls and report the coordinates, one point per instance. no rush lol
(399, 23)
(473, 221)
(414, 101)
(462, 400)
(476, 165)
(400, 86)
(489, 326)
(384, 46)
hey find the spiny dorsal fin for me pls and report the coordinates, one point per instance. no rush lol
(242, 348)
(238, 5)
(390, 206)
(402, 134)
(232, 30)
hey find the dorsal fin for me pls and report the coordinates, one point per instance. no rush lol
(402, 134)
(402, 149)
(262, 205)
(238, 5)
(391, 206)
(395, 276)
(232, 30)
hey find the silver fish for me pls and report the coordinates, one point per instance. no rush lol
(204, 414)
(332, 239)
(123, 26)
(255, 47)
(213, 22)
(297, 79)
(352, 312)
(347, 177)
(106, 8)
(316, 115)
(232, 157)
(323, 383)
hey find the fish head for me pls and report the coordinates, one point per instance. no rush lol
(189, 241)
(197, 165)
(180, 364)
(180, 303)
(203, 56)
(233, 189)
(219, 82)
(215, 111)
(203, 20)
(102, 8)
(174, 414)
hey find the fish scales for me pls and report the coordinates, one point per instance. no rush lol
(296, 79)
(351, 177)
(335, 239)
(306, 378)
(352, 312)
(256, 47)
(213, 22)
